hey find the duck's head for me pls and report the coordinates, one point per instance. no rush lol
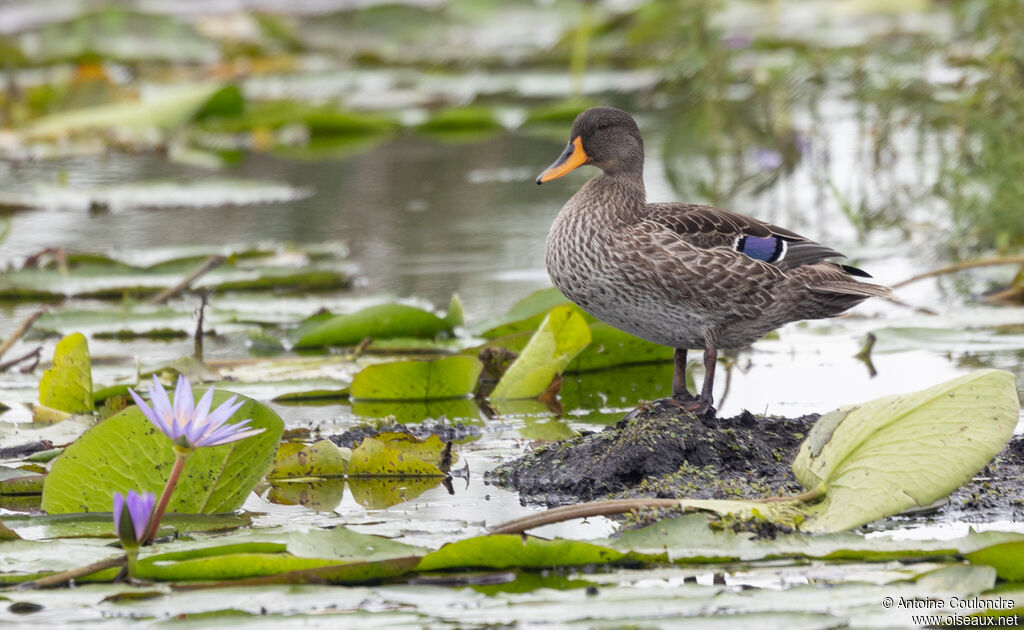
(605, 137)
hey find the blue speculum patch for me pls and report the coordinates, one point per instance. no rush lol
(768, 249)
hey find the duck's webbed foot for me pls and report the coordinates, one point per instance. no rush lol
(697, 406)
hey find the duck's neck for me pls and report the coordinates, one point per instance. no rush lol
(614, 198)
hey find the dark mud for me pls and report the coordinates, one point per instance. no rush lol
(666, 453)
(446, 432)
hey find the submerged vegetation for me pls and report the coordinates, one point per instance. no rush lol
(174, 189)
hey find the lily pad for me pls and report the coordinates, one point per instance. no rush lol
(126, 452)
(315, 460)
(505, 550)
(385, 320)
(1007, 558)
(394, 455)
(610, 347)
(869, 461)
(561, 336)
(898, 452)
(526, 314)
(163, 109)
(451, 377)
(67, 386)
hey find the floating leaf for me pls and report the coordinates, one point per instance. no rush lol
(899, 452)
(944, 340)
(505, 550)
(382, 321)
(126, 452)
(164, 109)
(451, 377)
(397, 457)
(1006, 558)
(874, 460)
(611, 347)
(526, 314)
(315, 460)
(67, 386)
(470, 118)
(99, 524)
(560, 337)
(27, 484)
(460, 410)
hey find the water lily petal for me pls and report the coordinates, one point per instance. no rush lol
(151, 415)
(162, 408)
(227, 434)
(118, 507)
(184, 402)
(203, 408)
(140, 507)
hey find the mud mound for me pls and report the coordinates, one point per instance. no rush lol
(664, 454)
(667, 453)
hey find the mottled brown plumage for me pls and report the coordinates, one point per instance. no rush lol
(681, 275)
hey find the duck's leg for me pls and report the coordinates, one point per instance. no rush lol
(679, 391)
(703, 404)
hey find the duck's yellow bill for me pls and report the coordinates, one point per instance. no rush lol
(572, 157)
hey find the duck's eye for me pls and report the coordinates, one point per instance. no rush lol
(602, 126)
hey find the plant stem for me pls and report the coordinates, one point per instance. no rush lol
(960, 266)
(581, 510)
(179, 464)
(131, 555)
(66, 576)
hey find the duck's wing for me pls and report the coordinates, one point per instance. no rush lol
(708, 227)
(714, 277)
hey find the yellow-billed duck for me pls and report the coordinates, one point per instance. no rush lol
(681, 275)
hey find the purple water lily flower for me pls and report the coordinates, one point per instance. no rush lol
(190, 424)
(131, 528)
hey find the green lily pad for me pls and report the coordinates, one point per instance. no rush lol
(869, 461)
(561, 336)
(526, 314)
(163, 110)
(898, 452)
(396, 455)
(127, 452)
(67, 386)
(315, 460)
(382, 321)
(1006, 558)
(610, 347)
(100, 525)
(505, 550)
(451, 377)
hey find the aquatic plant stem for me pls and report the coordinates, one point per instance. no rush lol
(582, 510)
(180, 456)
(71, 574)
(621, 506)
(960, 266)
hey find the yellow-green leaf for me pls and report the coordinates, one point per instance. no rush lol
(315, 460)
(898, 452)
(377, 458)
(67, 386)
(560, 337)
(451, 377)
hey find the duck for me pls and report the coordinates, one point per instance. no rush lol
(682, 275)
